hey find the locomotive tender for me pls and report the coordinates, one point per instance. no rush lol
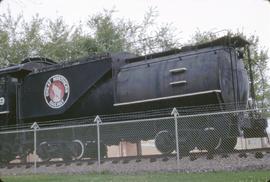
(38, 89)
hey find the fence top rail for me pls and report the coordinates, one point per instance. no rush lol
(16, 131)
(46, 128)
(184, 116)
(223, 112)
(67, 127)
(132, 121)
(186, 110)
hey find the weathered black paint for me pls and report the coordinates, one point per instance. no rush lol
(97, 84)
(91, 84)
(81, 78)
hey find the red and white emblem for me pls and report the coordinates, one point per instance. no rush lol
(56, 91)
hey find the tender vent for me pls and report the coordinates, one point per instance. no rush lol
(178, 70)
(178, 82)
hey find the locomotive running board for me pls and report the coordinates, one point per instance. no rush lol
(165, 98)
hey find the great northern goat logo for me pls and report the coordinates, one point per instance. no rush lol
(56, 91)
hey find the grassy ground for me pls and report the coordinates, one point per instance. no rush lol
(257, 176)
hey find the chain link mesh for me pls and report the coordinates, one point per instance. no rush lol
(135, 141)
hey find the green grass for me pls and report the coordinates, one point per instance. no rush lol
(246, 176)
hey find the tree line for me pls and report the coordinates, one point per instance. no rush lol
(61, 42)
(103, 32)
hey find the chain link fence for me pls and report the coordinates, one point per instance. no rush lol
(163, 140)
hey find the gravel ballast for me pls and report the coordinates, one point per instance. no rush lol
(232, 163)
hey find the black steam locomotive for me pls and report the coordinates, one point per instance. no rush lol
(39, 90)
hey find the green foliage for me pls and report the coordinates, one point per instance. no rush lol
(202, 37)
(259, 58)
(112, 35)
(102, 33)
(9, 37)
(19, 39)
(107, 35)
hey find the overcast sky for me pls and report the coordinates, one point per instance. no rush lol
(249, 16)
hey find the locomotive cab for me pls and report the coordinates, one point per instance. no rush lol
(11, 79)
(7, 101)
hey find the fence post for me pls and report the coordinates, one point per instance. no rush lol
(98, 121)
(176, 114)
(35, 127)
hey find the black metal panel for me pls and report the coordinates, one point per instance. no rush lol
(155, 78)
(200, 71)
(97, 100)
(201, 76)
(81, 77)
(26, 67)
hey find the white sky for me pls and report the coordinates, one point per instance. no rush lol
(249, 16)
